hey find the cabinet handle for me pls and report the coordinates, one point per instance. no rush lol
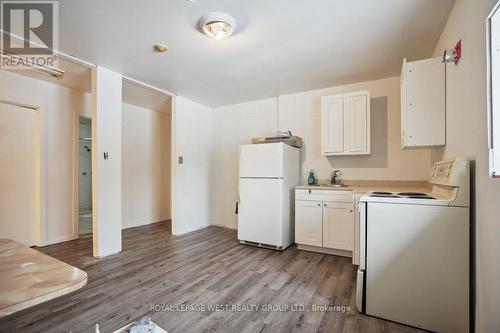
(325, 205)
(351, 210)
(319, 205)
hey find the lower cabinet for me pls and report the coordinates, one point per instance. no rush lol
(338, 226)
(325, 224)
(309, 223)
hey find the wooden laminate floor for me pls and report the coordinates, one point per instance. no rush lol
(193, 271)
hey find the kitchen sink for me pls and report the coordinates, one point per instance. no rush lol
(334, 186)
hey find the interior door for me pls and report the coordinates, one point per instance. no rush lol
(356, 114)
(332, 124)
(17, 173)
(260, 210)
(308, 222)
(338, 226)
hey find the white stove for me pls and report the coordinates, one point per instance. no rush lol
(414, 252)
(450, 187)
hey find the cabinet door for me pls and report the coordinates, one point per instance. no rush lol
(357, 124)
(308, 222)
(425, 108)
(338, 226)
(403, 104)
(332, 124)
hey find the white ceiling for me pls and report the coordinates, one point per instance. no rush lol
(280, 46)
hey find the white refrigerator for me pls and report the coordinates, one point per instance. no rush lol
(269, 173)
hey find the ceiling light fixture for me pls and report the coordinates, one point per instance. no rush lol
(217, 25)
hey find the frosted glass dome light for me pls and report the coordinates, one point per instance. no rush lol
(217, 25)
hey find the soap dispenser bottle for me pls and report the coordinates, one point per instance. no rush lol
(311, 180)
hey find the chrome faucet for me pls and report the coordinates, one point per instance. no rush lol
(336, 178)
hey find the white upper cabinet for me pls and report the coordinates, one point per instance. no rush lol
(332, 124)
(345, 124)
(357, 115)
(423, 111)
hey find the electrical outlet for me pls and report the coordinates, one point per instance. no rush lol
(106, 155)
(181, 159)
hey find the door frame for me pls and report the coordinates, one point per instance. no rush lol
(40, 185)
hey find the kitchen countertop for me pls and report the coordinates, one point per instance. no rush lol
(29, 277)
(361, 187)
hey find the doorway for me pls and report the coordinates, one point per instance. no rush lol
(85, 176)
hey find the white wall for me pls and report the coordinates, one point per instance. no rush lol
(192, 139)
(146, 166)
(300, 113)
(234, 125)
(466, 130)
(59, 109)
(107, 173)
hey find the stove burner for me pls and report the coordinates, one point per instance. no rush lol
(412, 194)
(382, 193)
(421, 197)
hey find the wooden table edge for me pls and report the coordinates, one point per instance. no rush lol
(43, 298)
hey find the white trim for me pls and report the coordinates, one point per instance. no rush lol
(143, 223)
(190, 231)
(493, 164)
(41, 183)
(69, 57)
(230, 227)
(107, 255)
(173, 161)
(148, 86)
(26, 106)
(75, 59)
(76, 172)
(58, 240)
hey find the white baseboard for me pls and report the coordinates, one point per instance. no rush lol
(139, 224)
(58, 240)
(107, 255)
(191, 230)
